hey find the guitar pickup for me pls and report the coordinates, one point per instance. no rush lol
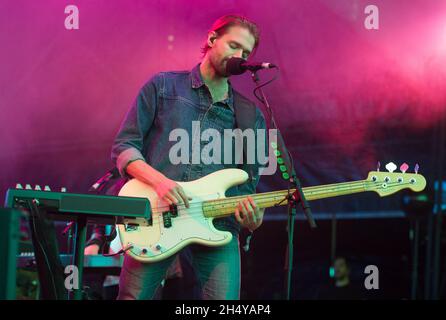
(167, 220)
(173, 210)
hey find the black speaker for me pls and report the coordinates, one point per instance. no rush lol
(9, 241)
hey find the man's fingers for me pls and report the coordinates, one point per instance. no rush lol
(250, 211)
(253, 203)
(256, 209)
(237, 216)
(248, 214)
(178, 197)
(242, 210)
(169, 198)
(183, 196)
(167, 201)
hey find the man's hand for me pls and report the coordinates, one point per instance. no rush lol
(92, 249)
(248, 214)
(171, 192)
(167, 189)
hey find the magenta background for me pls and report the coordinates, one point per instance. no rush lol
(64, 92)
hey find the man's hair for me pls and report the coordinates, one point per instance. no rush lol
(222, 24)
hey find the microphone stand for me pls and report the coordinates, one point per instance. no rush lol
(293, 198)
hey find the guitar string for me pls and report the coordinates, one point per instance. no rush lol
(315, 190)
(268, 197)
(263, 195)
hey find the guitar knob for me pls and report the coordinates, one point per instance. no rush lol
(37, 188)
(47, 188)
(391, 167)
(28, 187)
(417, 167)
(404, 167)
(18, 186)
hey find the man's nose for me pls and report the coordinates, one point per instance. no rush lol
(238, 53)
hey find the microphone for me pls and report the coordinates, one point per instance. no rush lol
(236, 66)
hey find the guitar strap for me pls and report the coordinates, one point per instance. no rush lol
(245, 117)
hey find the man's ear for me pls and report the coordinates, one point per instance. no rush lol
(212, 36)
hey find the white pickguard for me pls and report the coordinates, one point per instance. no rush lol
(156, 242)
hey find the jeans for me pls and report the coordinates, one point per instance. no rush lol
(217, 270)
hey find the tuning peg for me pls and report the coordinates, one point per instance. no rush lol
(378, 166)
(404, 167)
(18, 186)
(28, 187)
(391, 167)
(47, 188)
(37, 188)
(417, 167)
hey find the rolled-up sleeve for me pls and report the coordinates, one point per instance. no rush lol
(128, 145)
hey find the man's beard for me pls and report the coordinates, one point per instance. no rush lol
(220, 68)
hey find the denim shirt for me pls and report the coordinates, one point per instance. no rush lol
(173, 100)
